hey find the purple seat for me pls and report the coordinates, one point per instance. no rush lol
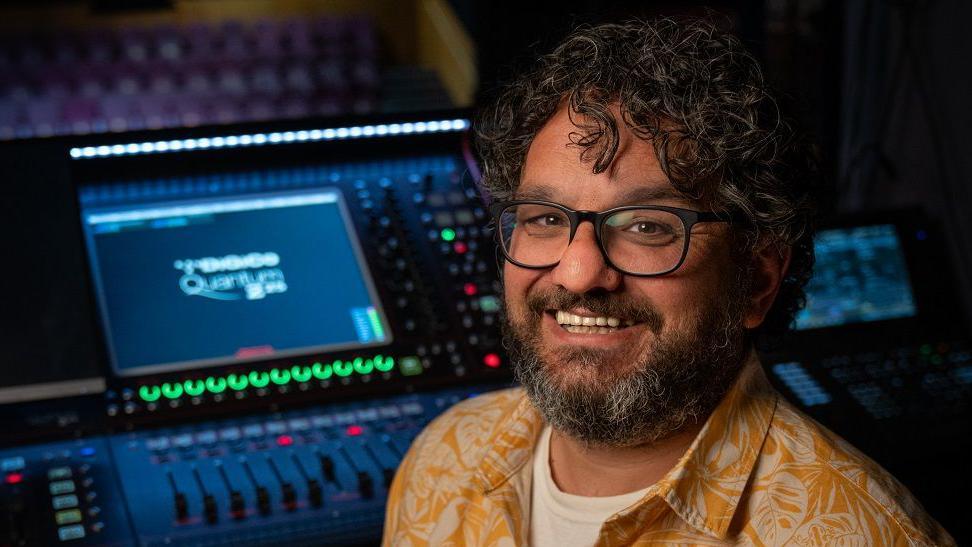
(43, 115)
(361, 35)
(267, 39)
(365, 75)
(224, 109)
(231, 43)
(258, 107)
(297, 38)
(79, 109)
(294, 106)
(157, 111)
(126, 78)
(330, 76)
(265, 78)
(168, 43)
(54, 83)
(135, 45)
(199, 42)
(299, 77)
(98, 47)
(12, 116)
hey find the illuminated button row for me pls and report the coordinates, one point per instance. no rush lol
(261, 379)
(64, 499)
(282, 431)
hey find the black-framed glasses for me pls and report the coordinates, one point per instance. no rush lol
(638, 240)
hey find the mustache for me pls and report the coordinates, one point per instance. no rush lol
(639, 310)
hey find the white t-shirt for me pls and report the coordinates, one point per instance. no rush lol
(565, 520)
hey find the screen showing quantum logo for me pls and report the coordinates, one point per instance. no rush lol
(208, 282)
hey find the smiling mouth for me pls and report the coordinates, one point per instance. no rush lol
(582, 324)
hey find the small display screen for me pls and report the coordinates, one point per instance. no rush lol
(860, 276)
(211, 281)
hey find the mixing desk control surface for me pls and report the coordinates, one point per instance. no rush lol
(317, 476)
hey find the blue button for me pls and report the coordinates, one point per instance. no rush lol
(87, 451)
(61, 487)
(64, 502)
(12, 464)
(67, 533)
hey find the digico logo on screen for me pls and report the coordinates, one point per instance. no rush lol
(252, 276)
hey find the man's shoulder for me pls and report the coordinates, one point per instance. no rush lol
(461, 433)
(478, 415)
(836, 489)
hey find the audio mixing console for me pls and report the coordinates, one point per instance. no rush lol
(265, 300)
(317, 476)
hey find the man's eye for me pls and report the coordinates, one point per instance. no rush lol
(648, 228)
(545, 221)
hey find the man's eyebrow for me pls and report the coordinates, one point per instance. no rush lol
(540, 192)
(646, 195)
(635, 196)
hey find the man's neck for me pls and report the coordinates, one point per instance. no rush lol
(600, 471)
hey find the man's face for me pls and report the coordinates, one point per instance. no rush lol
(634, 383)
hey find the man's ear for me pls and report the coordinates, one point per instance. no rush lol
(770, 263)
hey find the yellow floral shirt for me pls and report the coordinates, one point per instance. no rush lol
(758, 473)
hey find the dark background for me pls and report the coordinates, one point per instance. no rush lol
(882, 85)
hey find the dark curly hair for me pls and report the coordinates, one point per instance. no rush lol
(694, 92)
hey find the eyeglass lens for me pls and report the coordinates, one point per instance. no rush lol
(639, 241)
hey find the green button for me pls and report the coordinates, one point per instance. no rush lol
(62, 487)
(59, 473)
(489, 304)
(68, 516)
(411, 366)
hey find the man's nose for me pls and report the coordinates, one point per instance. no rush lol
(582, 267)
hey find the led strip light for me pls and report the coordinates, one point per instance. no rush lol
(264, 378)
(270, 139)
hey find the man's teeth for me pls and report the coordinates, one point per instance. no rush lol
(580, 329)
(590, 325)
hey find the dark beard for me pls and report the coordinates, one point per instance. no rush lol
(677, 384)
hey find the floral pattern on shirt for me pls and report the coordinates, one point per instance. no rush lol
(758, 473)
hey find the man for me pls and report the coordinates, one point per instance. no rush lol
(655, 213)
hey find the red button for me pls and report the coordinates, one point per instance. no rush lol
(285, 440)
(14, 478)
(470, 289)
(460, 247)
(354, 430)
(492, 360)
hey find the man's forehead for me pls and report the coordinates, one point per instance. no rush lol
(558, 169)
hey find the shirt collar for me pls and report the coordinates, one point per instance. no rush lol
(510, 446)
(703, 488)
